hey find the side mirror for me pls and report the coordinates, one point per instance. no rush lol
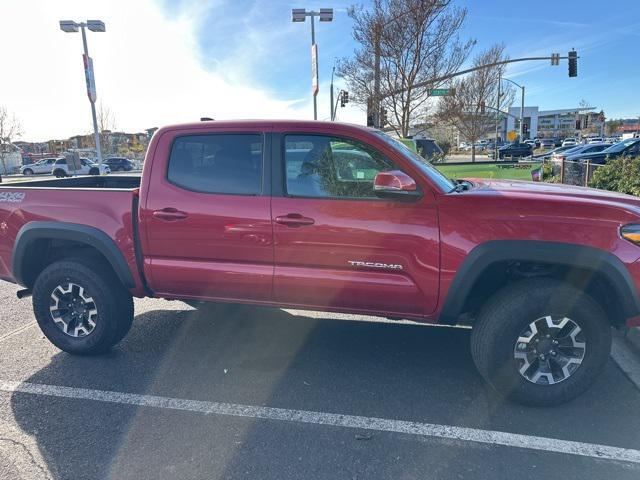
(397, 185)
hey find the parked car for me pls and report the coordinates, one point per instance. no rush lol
(540, 289)
(549, 154)
(43, 166)
(595, 140)
(557, 142)
(513, 150)
(547, 143)
(119, 164)
(61, 169)
(630, 147)
(569, 142)
(572, 153)
(428, 148)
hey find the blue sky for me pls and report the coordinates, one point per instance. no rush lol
(256, 39)
(168, 61)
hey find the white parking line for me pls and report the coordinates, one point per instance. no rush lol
(17, 331)
(336, 420)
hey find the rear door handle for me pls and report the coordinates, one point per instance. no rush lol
(170, 214)
(294, 220)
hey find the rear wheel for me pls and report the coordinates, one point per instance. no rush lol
(60, 173)
(81, 306)
(94, 171)
(541, 342)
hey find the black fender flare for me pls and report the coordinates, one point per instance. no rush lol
(91, 236)
(558, 253)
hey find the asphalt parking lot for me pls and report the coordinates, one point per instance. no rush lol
(267, 393)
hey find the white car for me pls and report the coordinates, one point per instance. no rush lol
(569, 142)
(61, 169)
(43, 166)
(595, 140)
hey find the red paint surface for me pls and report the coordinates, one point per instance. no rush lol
(296, 252)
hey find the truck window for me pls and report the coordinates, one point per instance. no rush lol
(217, 163)
(321, 166)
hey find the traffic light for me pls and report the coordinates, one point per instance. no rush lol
(371, 120)
(383, 117)
(525, 129)
(482, 107)
(573, 63)
(344, 98)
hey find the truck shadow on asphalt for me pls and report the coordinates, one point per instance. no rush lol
(261, 356)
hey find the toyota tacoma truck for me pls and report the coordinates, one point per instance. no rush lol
(332, 217)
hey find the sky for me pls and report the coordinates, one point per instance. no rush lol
(170, 61)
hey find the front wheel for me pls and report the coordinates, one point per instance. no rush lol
(541, 342)
(81, 306)
(27, 171)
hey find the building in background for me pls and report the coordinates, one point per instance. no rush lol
(568, 122)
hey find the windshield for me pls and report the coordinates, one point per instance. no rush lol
(429, 170)
(619, 147)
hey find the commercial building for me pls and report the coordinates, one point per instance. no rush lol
(568, 122)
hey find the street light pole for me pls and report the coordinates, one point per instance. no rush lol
(521, 129)
(69, 26)
(495, 142)
(333, 71)
(325, 15)
(313, 47)
(96, 133)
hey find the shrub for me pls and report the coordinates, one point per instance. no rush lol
(619, 175)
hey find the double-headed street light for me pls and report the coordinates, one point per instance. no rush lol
(69, 26)
(325, 15)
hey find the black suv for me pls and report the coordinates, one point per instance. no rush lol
(119, 164)
(513, 150)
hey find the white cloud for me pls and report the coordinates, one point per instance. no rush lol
(148, 71)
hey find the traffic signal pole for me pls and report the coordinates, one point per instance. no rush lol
(573, 59)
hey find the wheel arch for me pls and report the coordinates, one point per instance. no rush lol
(573, 260)
(28, 251)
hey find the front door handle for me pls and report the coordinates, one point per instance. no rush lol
(170, 214)
(294, 220)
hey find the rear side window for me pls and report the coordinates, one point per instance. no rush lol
(217, 163)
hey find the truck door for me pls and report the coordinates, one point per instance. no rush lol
(340, 246)
(206, 221)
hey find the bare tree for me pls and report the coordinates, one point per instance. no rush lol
(106, 125)
(472, 109)
(418, 42)
(10, 128)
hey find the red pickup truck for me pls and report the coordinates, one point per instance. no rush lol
(332, 217)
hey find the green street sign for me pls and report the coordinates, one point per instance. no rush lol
(442, 92)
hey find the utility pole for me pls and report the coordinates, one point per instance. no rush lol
(376, 74)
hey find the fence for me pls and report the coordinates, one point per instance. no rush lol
(573, 173)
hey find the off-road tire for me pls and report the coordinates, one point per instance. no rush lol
(509, 311)
(113, 303)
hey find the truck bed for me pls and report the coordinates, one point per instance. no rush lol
(105, 203)
(110, 182)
